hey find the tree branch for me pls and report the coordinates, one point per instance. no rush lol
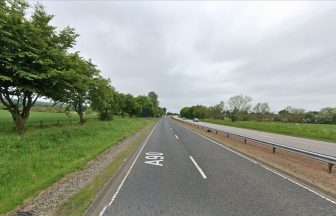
(8, 99)
(3, 101)
(34, 101)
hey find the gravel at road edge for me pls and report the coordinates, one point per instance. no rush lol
(47, 201)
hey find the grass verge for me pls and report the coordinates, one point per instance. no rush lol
(307, 170)
(31, 163)
(323, 132)
(77, 204)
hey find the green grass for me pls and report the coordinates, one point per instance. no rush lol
(44, 155)
(48, 119)
(77, 204)
(323, 132)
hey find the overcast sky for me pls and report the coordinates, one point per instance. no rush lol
(283, 53)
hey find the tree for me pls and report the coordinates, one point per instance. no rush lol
(102, 98)
(132, 108)
(120, 102)
(290, 114)
(73, 85)
(153, 97)
(199, 111)
(311, 117)
(261, 109)
(297, 115)
(216, 111)
(327, 115)
(145, 103)
(161, 111)
(31, 51)
(240, 105)
(186, 112)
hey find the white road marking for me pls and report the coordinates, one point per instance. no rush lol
(176, 136)
(128, 172)
(267, 168)
(154, 158)
(199, 168)
(103, 210)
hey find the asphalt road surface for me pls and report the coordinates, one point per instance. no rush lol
(321, 147)
(178, 172)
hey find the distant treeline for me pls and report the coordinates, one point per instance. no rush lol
(38, 61)
(239, 108)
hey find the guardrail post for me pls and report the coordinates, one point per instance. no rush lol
(330, 165)
(245, 141)
(273, 150)
(227, 135)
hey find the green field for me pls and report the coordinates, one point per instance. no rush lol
(48, 119)
(323, 132)
(43, 155)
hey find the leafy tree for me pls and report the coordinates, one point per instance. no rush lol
(132, 108)
(73, 86)
(153, 97)
(327, 115)
(199, 111)
(186, 112)
(240, 105)
(290, 114)
(311, 117)
(31, 51)
(283, 112)
(102, 98)
(216, 111)
(261, 109)
(297, 115)
(120, 103)
(145, 102)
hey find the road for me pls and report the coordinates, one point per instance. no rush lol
(178, 172)
(321, 147)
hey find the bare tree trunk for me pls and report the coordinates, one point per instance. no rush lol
(20, 113)
(79, 110)
(81, 117)
(19, 122)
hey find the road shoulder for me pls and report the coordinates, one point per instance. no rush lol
(48, 201)
(111, 185)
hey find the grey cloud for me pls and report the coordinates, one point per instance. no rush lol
(205, 52)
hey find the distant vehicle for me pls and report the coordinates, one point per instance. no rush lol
(195, 120)
(184, 118)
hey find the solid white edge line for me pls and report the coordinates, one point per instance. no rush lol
(265, 167)
(128, 172)
(176, 136)
(103, 210)
(199, 168)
